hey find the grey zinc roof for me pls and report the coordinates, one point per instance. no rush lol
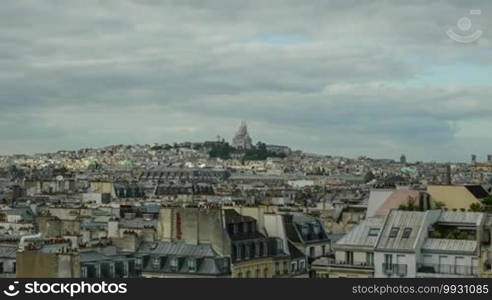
(447, 245)
(8, 251)
(137, 223)
(93, 256)
(401, 220)
(462, 217)
(205, 266)
(176, 249)
(359, 235)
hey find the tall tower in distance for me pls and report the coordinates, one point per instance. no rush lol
(242, 140)
(489, 158)
(473, 159)
(403, 159)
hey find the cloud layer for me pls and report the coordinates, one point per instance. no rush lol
(350, 78)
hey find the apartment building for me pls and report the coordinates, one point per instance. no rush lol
(412, 244)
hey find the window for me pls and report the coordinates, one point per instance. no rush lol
(388, 263)
(138, 263)
(258, 249)
(406, 232)
(302, 265)
(394, 232)
(369, 258)
(293, 267)
(156, 263)
(192, 265)
(286, 268)
(277, 268)
(311, 251)
(349, 257)
(246, 227)
(373, 232)
(257, 273)
(280, 245)
(304, 230)
(239, 275)
(112, 270)
(225, 263)
(323, 250)
(174, 263)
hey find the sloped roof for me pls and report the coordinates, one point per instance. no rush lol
(137, 223)
(397, 198)
(376, 198)
(401, 220)
(477, 190)
(450, 246)
(176, 249)
(359, 235)
(8, 251)
(462, 217)
(453, 196)
(232, 216)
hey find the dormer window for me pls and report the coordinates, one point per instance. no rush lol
(238, 252)
(192, 265)
(280, 245)
(174, 263)
(305, 230)
(394, 232)
(156, 262)
(406, 232)
(373, 232)
(138, 263)
(225, 263)
(83, 272)
(246, 227)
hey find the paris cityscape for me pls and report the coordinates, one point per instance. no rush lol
(245, 139)
(241, 209)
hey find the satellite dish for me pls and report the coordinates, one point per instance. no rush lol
(59, 177)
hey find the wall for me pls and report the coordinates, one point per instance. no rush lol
(32, 264)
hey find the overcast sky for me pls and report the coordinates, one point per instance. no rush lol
(376, 78)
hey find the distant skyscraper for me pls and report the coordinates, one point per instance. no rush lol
(489, 158)
(473, 159)
(242, 140)
(403, 159)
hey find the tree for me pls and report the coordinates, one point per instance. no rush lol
(476, 207)
(222, 150)
(439, 204)
(487, 200)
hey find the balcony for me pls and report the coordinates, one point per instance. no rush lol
(349, 265)
(394, 269)
(447, 269)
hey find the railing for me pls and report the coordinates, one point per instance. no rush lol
(447, 269)
(395, 269)
(346, 264)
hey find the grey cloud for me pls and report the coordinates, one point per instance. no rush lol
(196, 68)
